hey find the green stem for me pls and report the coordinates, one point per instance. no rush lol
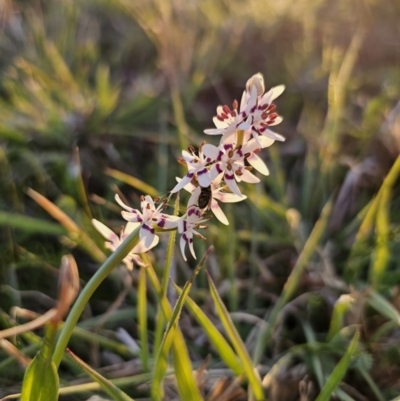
(114, 260)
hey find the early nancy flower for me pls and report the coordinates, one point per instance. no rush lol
(219, 193)
(149, 217)
(187, 226)
(228, 121)
(114, 241)
(196, 165)
(230, 162)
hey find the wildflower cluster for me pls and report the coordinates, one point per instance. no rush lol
(213, 173)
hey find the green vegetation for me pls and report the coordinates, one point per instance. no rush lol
(297, 299)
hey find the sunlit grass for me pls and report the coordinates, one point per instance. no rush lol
(299, 295)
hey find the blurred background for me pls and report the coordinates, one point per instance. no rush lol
(101, 96)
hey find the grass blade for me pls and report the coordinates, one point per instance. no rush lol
(74, 230)
(132, 181)
(187, 384)
(340, 370)
(142, 317)
(217, 339)
(110, 388)
(253, 378)
(161, 362)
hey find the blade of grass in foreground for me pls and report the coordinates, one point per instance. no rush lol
(183, 367)
(217, 339)
(292, 282)
(110, 388)
(340, 370)
(253, 378)
(41, 379)
(161, 362)
(360, 247)
(142, 317)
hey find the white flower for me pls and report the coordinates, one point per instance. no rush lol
(186, 226)
(264, 115)
(147, 219)
(114, 241)
(196, 165)
(230, 162)
(228, 121)
(256, 113)
(217, 193)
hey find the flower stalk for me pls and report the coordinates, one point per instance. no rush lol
(111, 262)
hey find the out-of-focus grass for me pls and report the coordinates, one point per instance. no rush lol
(132, 82)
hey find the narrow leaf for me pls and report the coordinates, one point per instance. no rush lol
(161, 362)
(217, 339)
(132, 181)
(142, 317)
(187, 388)
(110, 388)
(340, 370)
(41, 379)
(237, 342)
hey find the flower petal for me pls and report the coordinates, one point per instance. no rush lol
(214, 131)
(182, 244)
(277, 121)
(258, 164)
(132, 217)
(146, 234)
(219, 214)
(218, 123)
(246, 176)
(188, 187)
(272, 135)
(228, 197)
(184, 181)
(210, 151)
(141, 248)
(122, 204)
(194, 197)
(130, 226)
(105, 231)
(231, 182)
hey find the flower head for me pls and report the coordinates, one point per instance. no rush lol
(196, 165)
(114, 241)
(230, 162)
(149, 217)
(257, 112)
(218, 193)
(187, 226)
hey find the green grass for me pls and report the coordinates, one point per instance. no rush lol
(301, 288)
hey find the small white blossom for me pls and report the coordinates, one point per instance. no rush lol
(187, 226)
(147, 219)
(257, 112)
(228, 121)
(114, 241)
(217, 193)
(230, 162)
(196, 165)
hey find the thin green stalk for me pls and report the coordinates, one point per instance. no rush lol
(106, 268)
(142, 315)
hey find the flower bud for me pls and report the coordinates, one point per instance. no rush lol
(256, 80)
(68, 285)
